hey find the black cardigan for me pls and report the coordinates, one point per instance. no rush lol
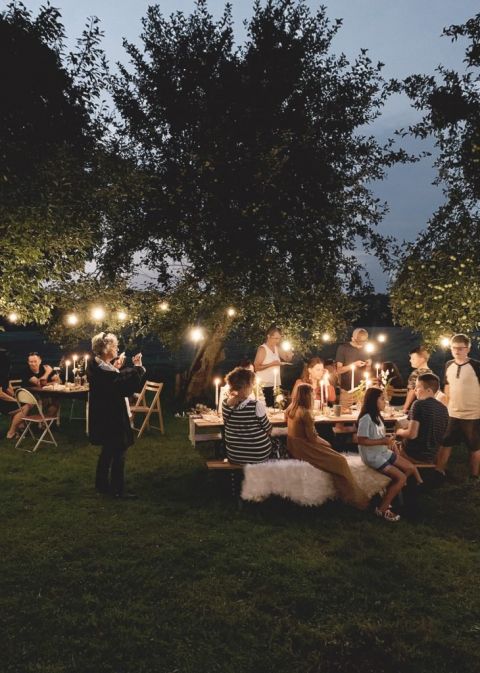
(108, 421)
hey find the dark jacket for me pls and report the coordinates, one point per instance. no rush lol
(108, 421)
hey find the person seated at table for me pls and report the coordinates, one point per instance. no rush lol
(394, 377)
(377, 451)
(314, 373)
(247, 428)
(37, 375)
(303, 443)
(8, 403)
(267, 363)
(427, 422)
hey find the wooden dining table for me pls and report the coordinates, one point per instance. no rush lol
(208, 426)
(62, 392)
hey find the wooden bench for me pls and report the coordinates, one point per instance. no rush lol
(222, 465)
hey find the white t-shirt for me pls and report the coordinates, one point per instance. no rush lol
(463, 391)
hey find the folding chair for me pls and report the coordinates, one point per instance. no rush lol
(25, 397)
(15, 384)
(142, 406)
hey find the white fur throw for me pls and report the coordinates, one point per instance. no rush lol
(304, 484)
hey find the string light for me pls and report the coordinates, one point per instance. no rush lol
(326, 336)
(369, 348)
(444, 342)
(196, 334)
(231, 312)
(381, 338)
(286, 346)
(13, 317)
(163, 306)
(121, 315)
(98, 313)
(72, 319)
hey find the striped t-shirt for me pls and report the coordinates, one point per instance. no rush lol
(246, 433)
(432, 417)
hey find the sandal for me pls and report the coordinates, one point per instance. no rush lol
(387, 514)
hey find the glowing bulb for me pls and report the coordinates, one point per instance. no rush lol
(231, 312)
(98, 313)
(197, 334)
(286, 346)
(326, 336)
(121, 315)
(72, 319)
(13, 317)
(163, 306)
(445, 342)
(369, 348)
(381, 338)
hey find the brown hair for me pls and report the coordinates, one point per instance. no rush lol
(271, 330)
(239, 378)
(422, 351)
(430, 381)
(309, 365)
(370, 405)
(302, 399)
(460, 339)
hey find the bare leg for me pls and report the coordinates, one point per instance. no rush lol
(398, 482)
(475, 463)
(442, 458)
(16, 420)
(408, 468)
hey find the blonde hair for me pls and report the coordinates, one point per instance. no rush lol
(302, 399)
(101, 341)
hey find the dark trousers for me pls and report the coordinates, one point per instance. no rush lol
(111, 460)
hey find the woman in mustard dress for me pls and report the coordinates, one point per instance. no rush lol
(304, 443)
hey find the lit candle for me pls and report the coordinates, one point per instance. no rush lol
(75, 358)
(321, 393)
(367, 381)
(67, 365)
(377, 367)
(326, 384)
(353, 377)
(217, 392)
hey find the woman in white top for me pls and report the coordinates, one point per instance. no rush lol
(269, 357)
(378, 451)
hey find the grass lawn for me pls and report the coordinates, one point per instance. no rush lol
(180, 581)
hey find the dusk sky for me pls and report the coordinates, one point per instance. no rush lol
(403, 34)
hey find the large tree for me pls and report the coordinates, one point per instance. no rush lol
(52, 158)
(436, 291)
(255, 173)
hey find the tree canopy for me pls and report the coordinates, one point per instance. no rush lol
(436, 289)
(50, 137)
(253, 169)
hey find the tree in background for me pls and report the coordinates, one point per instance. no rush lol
(52, 165)
(437, 289)
(254, 173)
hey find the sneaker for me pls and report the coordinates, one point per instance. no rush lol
(387, 514)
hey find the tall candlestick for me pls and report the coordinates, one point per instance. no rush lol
(377, 367)
(67, 364)
(353, 377)
(75, 358)
(275, 374)
(321, 393)
(326, 384)
(217, 393)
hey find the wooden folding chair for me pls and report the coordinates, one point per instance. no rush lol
(34, 419)
(142, 406)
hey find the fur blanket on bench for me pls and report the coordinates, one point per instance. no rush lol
(304, 484)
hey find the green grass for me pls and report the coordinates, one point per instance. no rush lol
(180, 581)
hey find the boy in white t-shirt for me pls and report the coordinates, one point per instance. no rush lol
(462, 387)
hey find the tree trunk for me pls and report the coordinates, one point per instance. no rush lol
(199, 384)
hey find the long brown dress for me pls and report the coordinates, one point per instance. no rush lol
(303, 443)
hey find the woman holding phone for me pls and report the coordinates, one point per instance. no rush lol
(109, 422)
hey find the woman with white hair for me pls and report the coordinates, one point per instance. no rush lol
(109, 423)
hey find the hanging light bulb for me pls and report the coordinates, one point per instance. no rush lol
(231, 312)
(381, 338)
(121, 315)
(164, 306)
(444, 342)
(326, 336)
(197, 335)
(98, 313)
(12, 317)
(72, 319)
(286, 346)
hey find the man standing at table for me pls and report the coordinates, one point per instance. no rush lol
(349, 354)
(267, 363)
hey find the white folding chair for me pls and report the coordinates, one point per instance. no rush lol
(142, 406)
(34, 419)
(15, 384)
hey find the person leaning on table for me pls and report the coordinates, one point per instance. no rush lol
(349, 354)
(108, 420)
